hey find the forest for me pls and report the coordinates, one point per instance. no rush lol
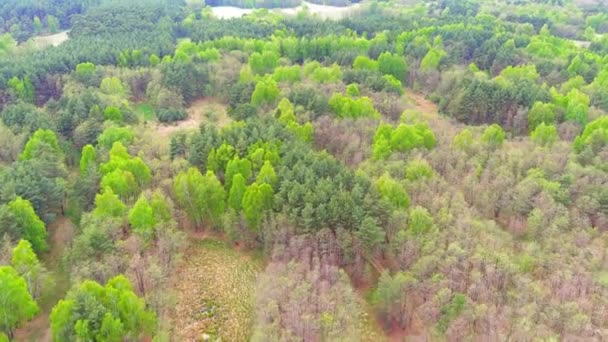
(417, 170)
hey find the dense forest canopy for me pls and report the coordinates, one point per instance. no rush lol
(427, 170)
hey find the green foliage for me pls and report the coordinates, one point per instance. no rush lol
(202, 197)
(408, 137)
(108, 204)
(544, 135)
(381, 148)
(17, 303)
(577, 106)
(371, 234)
(418, 169)
(112, 86)
(347, 107)
(493, 136)
(95, 313)
(394, 65)
(113, 134)
(85, 72)
(290, 74)
(267, 175)
(266, 92)
(113, 114)
(352, 90)
(365, 63)
(218, 159)
(541, 113)
(263, 63)
(88, 159)
(594, 136)
(123, 174)
(432, 59)
(420, 221)
(234, 167)
(237, 190)
(31, 227)
(390, 291)
(40, 138)
(464, 140)
(22, 89)
(256, 200)
(142, 218)
(171, 115)
(393, 192)
(25, 262)
(330, 74)
(450, 311)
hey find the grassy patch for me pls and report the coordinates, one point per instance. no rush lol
(145, 112)
(215, 293)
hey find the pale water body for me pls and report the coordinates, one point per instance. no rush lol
(323, 11)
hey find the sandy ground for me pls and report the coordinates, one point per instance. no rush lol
(328, 12)
(51, 40)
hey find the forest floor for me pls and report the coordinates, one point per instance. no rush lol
(61, 232)
(215, 291)
(204, 110)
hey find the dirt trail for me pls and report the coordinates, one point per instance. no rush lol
(61, 233)
(444, 128)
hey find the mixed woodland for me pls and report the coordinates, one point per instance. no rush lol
(419, 169)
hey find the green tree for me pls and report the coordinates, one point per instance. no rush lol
(267, 175)
(142, 219)
(541, 113)
(256, 200)
(52, 23)
(237, 166)
(392, 191)
(88, 159)
(92, 312)
(365, 63)
(237, 190)
(394, 65)
(381, 149)
(40, 137)
(113, 134)
(464, 140)
(544, 135)
(31, 226)
(113, 114)
(108, 204)
(121, 182)
(37, 25)
(25, 262)
(371, 234)
(352, 90)
(202, 197)
(85, 72)
(418, 169)
(594, 136)
(493, 136)
(420, 221)
(263, 63)
(266, 92)
(112, 86)
(17, 303)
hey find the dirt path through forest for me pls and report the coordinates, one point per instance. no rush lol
(61, 233)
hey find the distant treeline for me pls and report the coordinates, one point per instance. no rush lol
(276, 3)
